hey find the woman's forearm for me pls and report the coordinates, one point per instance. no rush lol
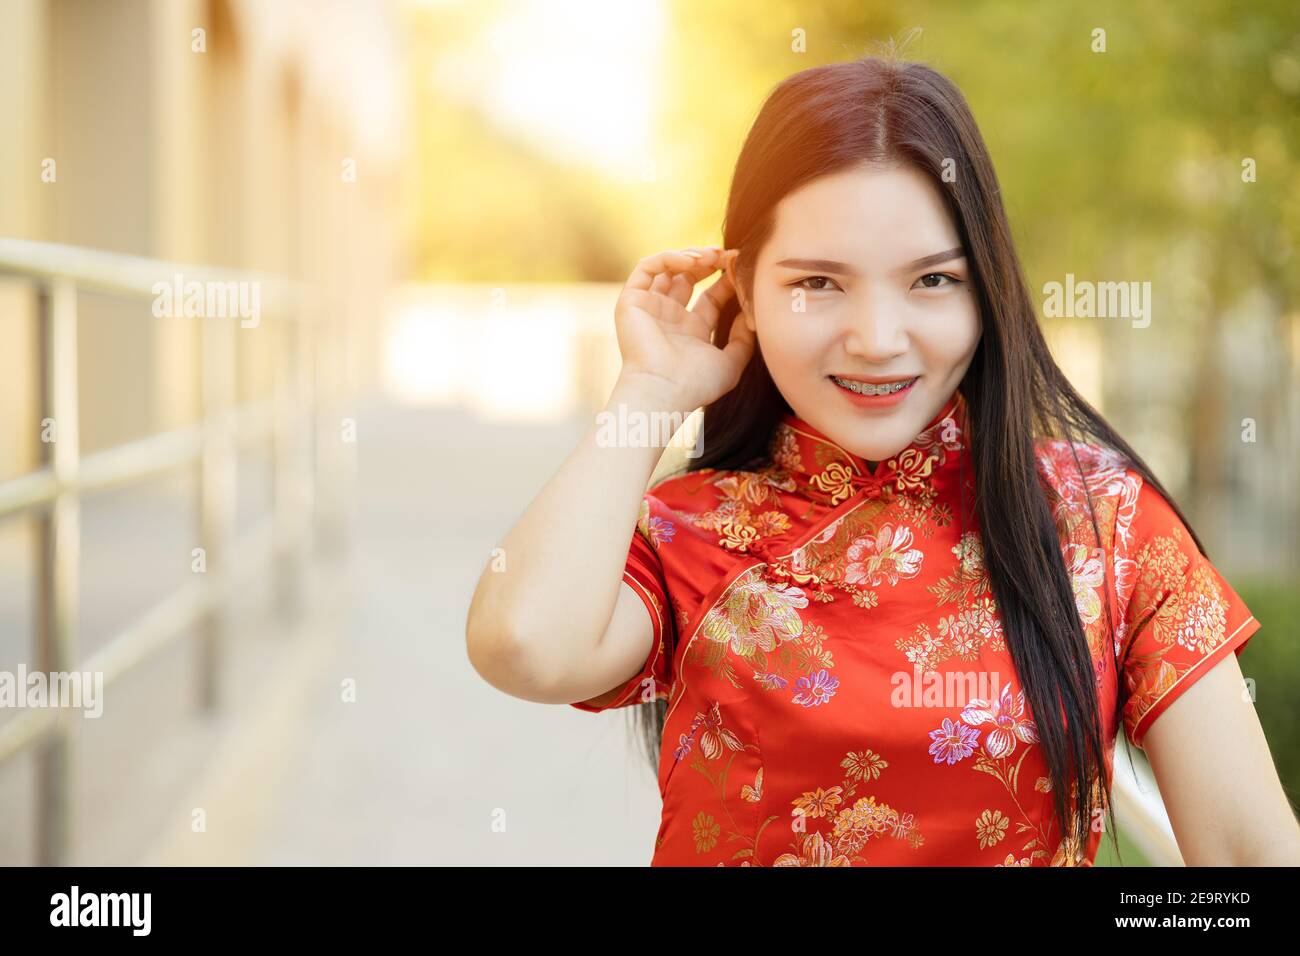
(537, 618)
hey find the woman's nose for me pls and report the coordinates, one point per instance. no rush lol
(876, 332)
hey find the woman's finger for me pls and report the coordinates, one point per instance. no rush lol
(663, 283)
(680, 289)
(709, 305)
(695, 263)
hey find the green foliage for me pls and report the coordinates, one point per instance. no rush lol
(1272, 660)
(1131, 856)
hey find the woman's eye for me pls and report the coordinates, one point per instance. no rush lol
(823, 288)
(952, 280)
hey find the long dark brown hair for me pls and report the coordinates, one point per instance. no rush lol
(885, 111)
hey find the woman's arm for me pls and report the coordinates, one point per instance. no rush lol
(535, 629)
(557, 625)
(1217, 778)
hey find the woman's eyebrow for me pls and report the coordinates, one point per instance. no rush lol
(820, 265)
(844, 269)
(938, 257)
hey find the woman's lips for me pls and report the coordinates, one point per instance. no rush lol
(874, 401)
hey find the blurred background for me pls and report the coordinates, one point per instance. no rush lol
(264, 534)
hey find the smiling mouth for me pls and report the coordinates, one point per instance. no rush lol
(866, 388)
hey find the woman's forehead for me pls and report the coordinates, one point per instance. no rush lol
(870, 219)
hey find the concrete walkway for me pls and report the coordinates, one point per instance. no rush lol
(430, 764)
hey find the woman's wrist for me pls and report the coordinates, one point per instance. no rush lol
(646, 393)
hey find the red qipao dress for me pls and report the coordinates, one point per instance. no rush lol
(839, 689)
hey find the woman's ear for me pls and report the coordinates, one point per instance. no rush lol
(729, 266)
(732, 256)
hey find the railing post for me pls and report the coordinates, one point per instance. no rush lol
(59, 556)
(287, 463)
(333, 459)
(304, 428)
(217, 497)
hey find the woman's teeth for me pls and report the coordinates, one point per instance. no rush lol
(865, 388)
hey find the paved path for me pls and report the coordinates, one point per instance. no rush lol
(419, 767)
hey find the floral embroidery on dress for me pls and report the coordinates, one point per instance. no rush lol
(974, 626)
(1114, 493)
(753, 564)
(1087, 571)
(855, 555)
(991, 827)
(758, 623)
(656, 530)
(913, 467)
(748, 506)
(885, 557)
(717, 742)
(1008, 725)
(852, 825)
(817, 689)
(836, 481)
(1177, 608)
(1104, 472)
(754, 615)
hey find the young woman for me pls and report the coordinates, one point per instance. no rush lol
(898, 609)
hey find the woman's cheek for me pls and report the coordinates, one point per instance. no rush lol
(967, 322)
(791, 348)
(791, 324)
(948, 335)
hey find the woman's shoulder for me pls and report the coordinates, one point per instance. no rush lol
(1072, 468)
(707, 485)
(720, 502)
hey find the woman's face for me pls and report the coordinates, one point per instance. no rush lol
(864, 279)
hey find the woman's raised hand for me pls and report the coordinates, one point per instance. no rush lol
(665, 346)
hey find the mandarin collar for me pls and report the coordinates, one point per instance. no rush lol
(827, 471)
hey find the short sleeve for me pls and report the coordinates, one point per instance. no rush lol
(644, 573)
(1181, 617)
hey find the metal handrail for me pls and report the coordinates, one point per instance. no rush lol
(129, 461)
(96, 270)
(53, 491)
(153, 631)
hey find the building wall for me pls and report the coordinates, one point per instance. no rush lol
(229, 155)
